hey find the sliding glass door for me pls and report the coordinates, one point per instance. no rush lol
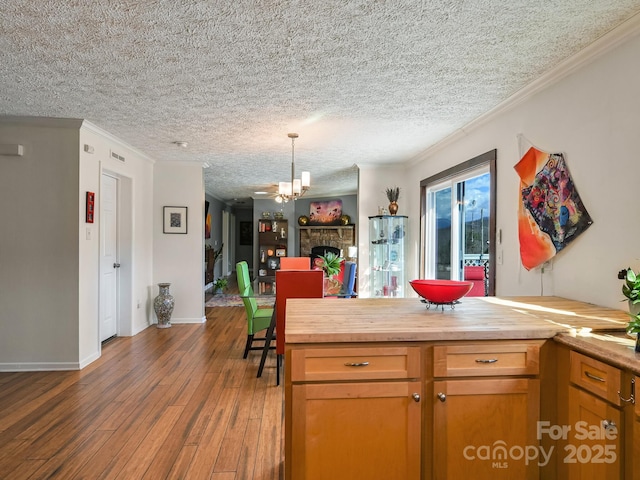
(439, 245)
(457, 225)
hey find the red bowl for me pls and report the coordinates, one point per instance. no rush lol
(441, 291)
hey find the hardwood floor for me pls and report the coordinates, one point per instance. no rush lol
(177, 403)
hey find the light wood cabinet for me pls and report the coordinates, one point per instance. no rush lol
(360, 412)
(486, 404)
(596, 377)
(499, 371)
(595, 443)
(632, 463)
(487, 359)
(356, 430)
(353, 412)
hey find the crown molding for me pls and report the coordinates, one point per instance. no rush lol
(609, 41)
(87, 125)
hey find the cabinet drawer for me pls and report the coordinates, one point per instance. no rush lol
(595, 376)
(487, 359)
(355, 363)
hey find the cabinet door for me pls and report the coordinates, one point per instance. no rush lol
(356, 431)
(592, 457)
(478, 422)
(633, 459)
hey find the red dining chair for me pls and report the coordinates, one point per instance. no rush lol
(295, 263)
(475, 274)
(290, 284)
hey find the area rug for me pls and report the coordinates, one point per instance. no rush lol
(236, 301)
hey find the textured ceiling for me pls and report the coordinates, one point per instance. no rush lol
(361, 81)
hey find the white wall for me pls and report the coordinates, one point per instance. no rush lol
(372, 185)
(592, 116)
(39, 246)
(49, 269)
(179, 259)
(135, 217)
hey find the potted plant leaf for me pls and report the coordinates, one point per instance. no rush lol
(219, 285)
(631, 291)
(330, 264)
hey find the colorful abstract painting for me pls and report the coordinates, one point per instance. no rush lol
(207, 220)
(550, 212)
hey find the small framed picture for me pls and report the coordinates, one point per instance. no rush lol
(281, 252)
(175, 220)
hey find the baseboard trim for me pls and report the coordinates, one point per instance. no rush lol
(90, 359)
(188, 320)
(39, 366)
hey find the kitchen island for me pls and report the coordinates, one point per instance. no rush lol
(386, 388)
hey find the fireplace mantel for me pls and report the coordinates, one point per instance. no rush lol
(339, 236)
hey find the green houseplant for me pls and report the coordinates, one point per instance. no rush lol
(219, 285)
(631, 286)
(631, 291)
(330, 263)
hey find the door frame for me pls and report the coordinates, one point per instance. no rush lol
(489, 158)
(124, 315)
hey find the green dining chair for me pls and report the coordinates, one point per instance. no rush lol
(258, 319)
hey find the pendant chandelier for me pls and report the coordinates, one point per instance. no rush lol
(297, 187)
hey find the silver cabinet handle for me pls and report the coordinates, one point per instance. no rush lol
(632, 398)
(116, 265)
(609, 424)
(356, 364)
(490, 360)
(416, 397)
(442, 397)
(594, 377)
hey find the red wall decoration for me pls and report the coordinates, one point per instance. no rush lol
(90, 206)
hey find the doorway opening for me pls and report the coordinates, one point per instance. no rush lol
(116, 259)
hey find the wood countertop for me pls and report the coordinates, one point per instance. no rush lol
(331, 320)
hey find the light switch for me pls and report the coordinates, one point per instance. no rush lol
(499, 258)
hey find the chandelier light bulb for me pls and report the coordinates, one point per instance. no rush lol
(306, 179)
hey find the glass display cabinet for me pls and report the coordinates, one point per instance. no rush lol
(387, 249)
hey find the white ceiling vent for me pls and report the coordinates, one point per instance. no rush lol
(116, 156)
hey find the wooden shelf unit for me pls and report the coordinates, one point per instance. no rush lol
(272, 244)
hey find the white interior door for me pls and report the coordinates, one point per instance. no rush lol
(108, 257)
